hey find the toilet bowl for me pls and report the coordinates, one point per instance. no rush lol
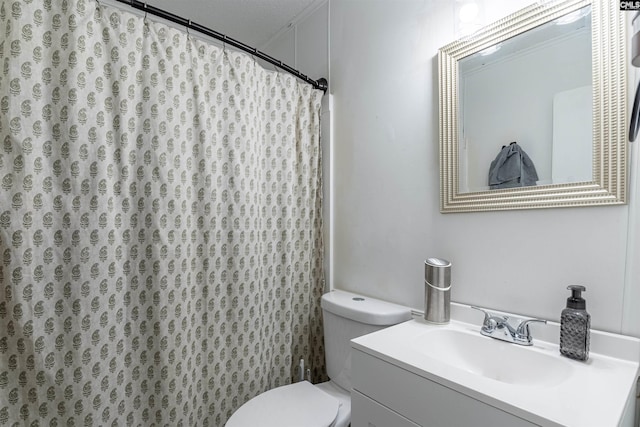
(345, 316)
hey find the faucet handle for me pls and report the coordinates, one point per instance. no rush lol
(523, 328)
(489, 323)
(486, 313)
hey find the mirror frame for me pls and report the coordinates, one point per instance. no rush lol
(609, 82)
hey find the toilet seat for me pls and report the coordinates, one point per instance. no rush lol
(294, 405)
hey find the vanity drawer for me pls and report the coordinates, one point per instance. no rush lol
(422, 401)
(368, 413)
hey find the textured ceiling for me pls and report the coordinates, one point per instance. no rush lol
(253, 22)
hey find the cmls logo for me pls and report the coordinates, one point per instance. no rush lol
(629, 5)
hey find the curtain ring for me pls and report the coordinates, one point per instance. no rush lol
(145, 13)
(188, 27)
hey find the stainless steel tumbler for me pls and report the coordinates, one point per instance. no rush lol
(437, 290)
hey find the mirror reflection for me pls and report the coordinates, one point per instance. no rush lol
(525, 108)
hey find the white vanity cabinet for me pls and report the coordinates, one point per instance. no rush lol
(372, 414)
(419, 374)
(386, 395)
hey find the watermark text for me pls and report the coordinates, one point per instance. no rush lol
(629, 5)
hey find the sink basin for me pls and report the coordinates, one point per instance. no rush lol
(491, 358)
(534, 383)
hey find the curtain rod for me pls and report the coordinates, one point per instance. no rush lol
(321, 83)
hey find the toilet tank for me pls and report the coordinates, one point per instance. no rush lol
(347, 316)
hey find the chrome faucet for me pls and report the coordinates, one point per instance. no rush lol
(498, 327)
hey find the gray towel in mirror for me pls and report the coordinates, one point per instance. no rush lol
(512, 167)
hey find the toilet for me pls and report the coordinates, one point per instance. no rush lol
(345, 316)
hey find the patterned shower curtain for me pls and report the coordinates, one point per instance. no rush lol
(160, 229)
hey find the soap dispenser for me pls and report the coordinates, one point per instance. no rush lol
(574, 326)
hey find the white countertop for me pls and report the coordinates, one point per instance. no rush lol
(593, 394)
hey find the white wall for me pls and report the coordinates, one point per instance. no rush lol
(631, 313)
(304, 43)
(385, 187)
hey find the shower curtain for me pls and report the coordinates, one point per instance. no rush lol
(160, 228)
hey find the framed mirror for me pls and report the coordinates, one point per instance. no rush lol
(533, 110)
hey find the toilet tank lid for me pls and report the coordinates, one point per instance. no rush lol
(364, 309)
